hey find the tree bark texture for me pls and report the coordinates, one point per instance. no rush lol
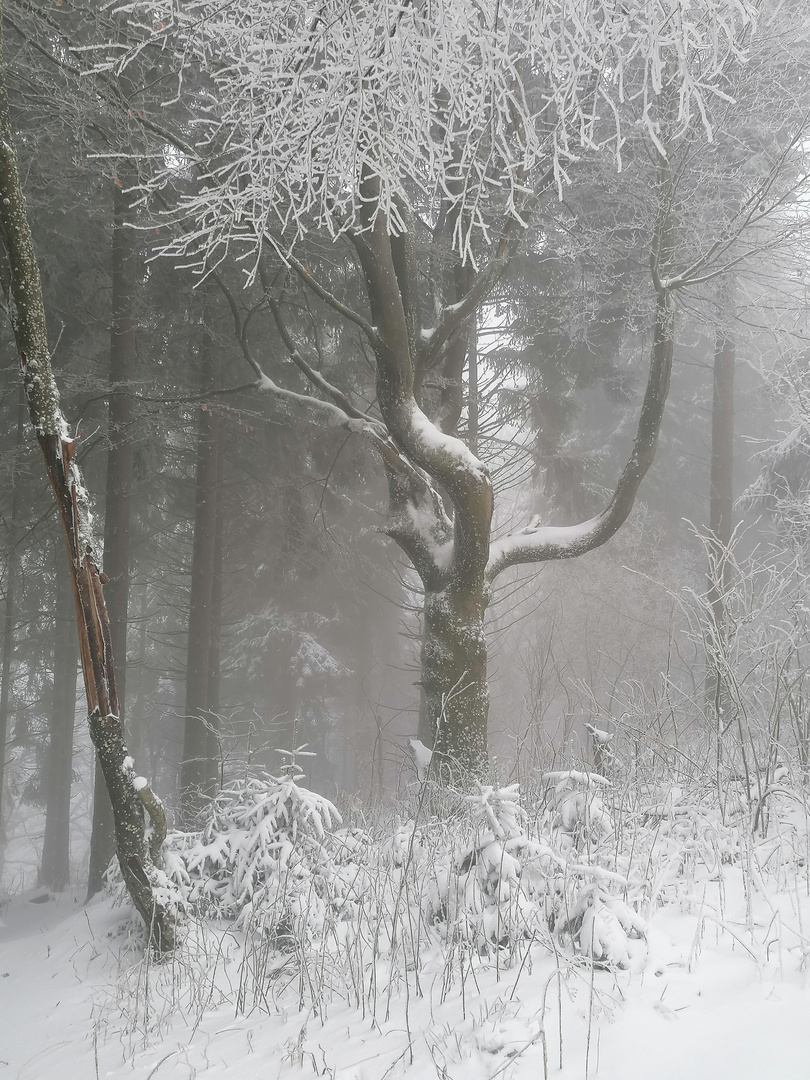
(139, 850)
(118, 501)
(721, 497)
(454, 674)
(473, 403)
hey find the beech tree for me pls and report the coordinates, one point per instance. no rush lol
(420, 145)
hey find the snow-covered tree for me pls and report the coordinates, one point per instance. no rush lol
(418, 146)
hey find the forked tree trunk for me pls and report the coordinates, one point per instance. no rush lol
(440, 494)
(454, 557)
(139, 850)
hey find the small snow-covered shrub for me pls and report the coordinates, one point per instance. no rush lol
(262, 857)
(492, 869)
(601, 924)
(520, 876)
(584, 904)
(581, 820)
(489, 890)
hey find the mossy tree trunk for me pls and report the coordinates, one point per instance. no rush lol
(454, 674)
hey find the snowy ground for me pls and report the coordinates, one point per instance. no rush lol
(720, 990)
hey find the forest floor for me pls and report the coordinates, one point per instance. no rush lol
(719, 989)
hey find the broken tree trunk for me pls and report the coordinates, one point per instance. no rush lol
(138, 844)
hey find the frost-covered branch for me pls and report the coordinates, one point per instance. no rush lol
(760, 207)
(61, 53)
(293, 119)
(416, 519)
(486, 278)
(337, 413)
(328, 297)
(315, 377)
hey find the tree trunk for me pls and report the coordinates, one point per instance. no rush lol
(454, 675)
(118, 501)
(721, 500)
(196, 771)
(139, 850)
(428, 468)
(473, 404)
(10, 616)
(136, 712)
(213, 749)
(54, 870)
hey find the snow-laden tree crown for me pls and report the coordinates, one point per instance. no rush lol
(432, 100)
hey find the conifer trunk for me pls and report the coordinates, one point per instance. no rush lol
(54, 870)
(215, 635)
(196, 771)
(10, 615)
(118, 501)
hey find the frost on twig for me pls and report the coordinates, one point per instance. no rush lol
(438, 102)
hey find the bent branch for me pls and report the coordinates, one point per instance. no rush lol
(538, 543)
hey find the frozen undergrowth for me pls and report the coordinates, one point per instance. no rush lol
(547, 894)
(524, 933)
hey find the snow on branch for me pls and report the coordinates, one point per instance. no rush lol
(540, 543)
(442, 101)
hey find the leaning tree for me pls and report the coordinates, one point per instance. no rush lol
(139, 819)
(417, 147)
